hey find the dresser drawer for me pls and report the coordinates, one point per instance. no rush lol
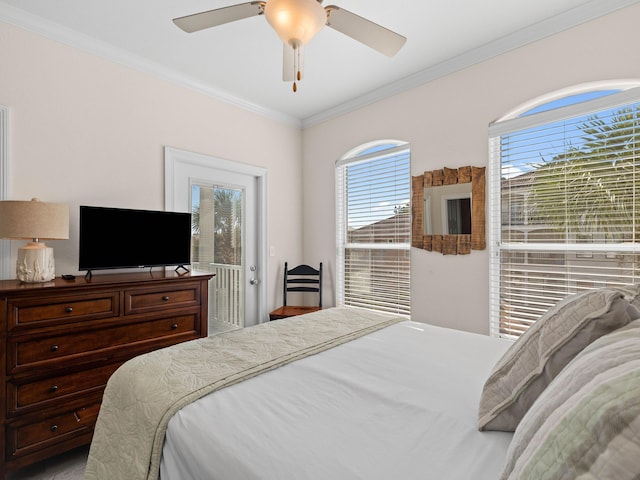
(143, 300)
(27, 352)
(24, 436)
(40, 394)
(27, 313)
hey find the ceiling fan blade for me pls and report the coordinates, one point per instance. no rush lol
(219, 16)
(289, 73)
(365, 31)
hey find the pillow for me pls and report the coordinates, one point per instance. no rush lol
(631, 293)
(586, 424)
(530, 364)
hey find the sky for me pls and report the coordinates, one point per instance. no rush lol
(525, 150)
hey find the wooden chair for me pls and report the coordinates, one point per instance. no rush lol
(302, 278)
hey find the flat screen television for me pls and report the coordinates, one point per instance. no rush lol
(126, 238)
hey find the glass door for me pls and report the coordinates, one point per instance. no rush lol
(216, 246)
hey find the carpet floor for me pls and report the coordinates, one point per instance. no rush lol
(68, 466)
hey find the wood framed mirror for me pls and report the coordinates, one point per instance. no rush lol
(448, 210)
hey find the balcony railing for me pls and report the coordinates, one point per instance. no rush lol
(225, 296)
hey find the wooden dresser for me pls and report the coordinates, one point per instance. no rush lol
(62, 340)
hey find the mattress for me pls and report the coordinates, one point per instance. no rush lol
(401, 402)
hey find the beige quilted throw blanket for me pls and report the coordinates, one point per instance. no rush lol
(143, 394)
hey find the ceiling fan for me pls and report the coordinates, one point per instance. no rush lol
(296, 22)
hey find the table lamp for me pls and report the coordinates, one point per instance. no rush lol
(34, 220)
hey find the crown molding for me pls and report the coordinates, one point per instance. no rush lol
(57, 32)
(564, 21)
(574, 17)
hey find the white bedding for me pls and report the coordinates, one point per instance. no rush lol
(399, 403)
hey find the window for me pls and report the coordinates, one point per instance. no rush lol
(373, 189)
(564, 186)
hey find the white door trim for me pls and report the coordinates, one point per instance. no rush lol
(6, 270)
(173, 156)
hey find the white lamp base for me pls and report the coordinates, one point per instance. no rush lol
(35, 263)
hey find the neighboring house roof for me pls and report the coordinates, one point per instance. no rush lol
(522, 180)
(387, 228)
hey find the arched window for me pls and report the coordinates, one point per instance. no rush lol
(373, 190)
(564, 201)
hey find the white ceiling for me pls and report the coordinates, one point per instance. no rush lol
(241, 62)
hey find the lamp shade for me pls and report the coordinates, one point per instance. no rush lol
(34, 219)
(295, 21)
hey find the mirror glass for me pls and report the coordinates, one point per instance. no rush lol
(447, 209)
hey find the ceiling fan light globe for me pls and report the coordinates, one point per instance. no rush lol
(295, 21)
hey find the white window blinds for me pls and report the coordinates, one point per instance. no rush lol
(564, 206)
(373, 191)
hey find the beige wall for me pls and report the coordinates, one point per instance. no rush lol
(446, 123)
(84, 130)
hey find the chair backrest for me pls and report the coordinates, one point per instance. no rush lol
(302, 278)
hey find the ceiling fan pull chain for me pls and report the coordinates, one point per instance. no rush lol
(296, 60)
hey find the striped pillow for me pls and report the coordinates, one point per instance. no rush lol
(586, 424)
(544, 350)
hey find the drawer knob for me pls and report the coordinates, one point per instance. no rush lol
(68, 309)
(53, 389)
(54, 348)
(53, 428)
(165, 298)
(174, 326)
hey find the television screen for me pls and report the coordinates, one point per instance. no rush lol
(125, 238)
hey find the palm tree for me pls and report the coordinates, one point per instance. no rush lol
(589, 192)
(227, 226)
(216, 225)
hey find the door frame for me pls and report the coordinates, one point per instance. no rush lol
(173, 156)
(6, 270)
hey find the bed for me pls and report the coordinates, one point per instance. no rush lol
(387, 405)
(339, 394)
